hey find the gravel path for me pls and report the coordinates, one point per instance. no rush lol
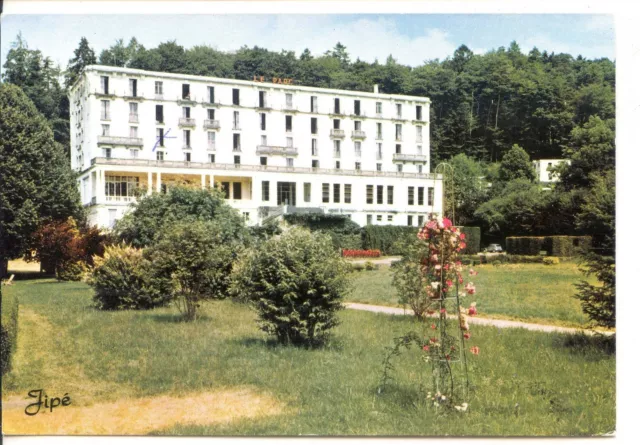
(388, 260)
(481, 321)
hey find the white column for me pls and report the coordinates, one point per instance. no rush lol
(211, 180)
(202, 180)
(100, 183)
(158, 181)
(149, 182)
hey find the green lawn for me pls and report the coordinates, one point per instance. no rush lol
(563, 385)
(531, 292)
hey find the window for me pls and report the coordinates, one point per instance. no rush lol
(418, 133)
(409, 220)
(245, 216)
(107, 153)
(263, 160)
(379, 167)
(336, 106)
(186, 138)
(116, 187)
(265, 190)
(105, 129)
(378, 108)
(325, 192)
(289, 162)
(420, 196)
(336, 124)
(337, 165)
(225, 190)
(389, 194)
(133, 132)
(187, 157)
(289, 142)
(104, 84)
(389, 218)
(263, 121)
(236, 120)
(211, 94)
(398, 148)
(398, 132)
(380, 190)
(369, 194)
(314, 147)
(420, 220)
(315, 163)
(357, 148)
(336, 192)
(420, 168)
(369, 219)
(419, 149)
(211, 139)
(104, 110)
(236, 142)
(430, 196)
(288, 99)
(133, 112)
(314, 104)
(263, 139)
(314, 125)
(160, 136)
(186, 93)
(237, 190)
(378, 130)
(399, 168)
(262, 99)
(288, 123)
(418, 112)
(158, 89)
(236, 160)
(378, 217)
(133, 152)
(236, 96)
(159, 114)
(356, 108)
(212, 158)
(358, 166)
(186, 112)
(160, 156)
(399, 111)
(133, 87)
(347, 193)
(307, 192)
(336, 148)
(410, 198)
(357, 125)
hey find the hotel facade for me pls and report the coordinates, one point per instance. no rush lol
(272, 147)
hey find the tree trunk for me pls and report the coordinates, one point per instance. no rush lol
(497, 110)
(4, 267)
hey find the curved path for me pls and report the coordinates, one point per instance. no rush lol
(483, 321)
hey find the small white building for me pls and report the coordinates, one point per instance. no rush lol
(271, 146)
(543, 169)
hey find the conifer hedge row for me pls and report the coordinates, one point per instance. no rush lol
(560, 246)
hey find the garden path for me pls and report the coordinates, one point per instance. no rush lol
(483, 321)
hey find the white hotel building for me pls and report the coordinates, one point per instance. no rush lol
(271, 147)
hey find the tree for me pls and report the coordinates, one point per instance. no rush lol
(470, 188)
(151, 214)
(196, 258)
(36, 182)
(83, 56)
(516, 165)
(295, 281)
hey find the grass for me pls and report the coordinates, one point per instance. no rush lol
(529, 292)
(563, 385)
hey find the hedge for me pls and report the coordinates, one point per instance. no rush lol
(8, 330)
(560, 246)
(344, 233)
(472, 239)
(390, 240)
(506, 258)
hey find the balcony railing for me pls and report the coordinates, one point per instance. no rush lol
(336, 133)
(119, 140)
(187, 122)
(289, 107)
(133, 118)
(131, 96)
(271, 168)
(378, 136)
(358, 134)
(211, 124)
(358, 153)
(355, 115)
(276, 150)
(187, 100)
(236, 127)
(409, 157)
(398, 138)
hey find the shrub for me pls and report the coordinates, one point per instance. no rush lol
(8, 330)
(121, 280)
(550, 260)
(472, 239)
(567, 246)
(350, 253)
(344, 233)
(410, 281)
(370, 266)
(525, 245)
(196, 260)
(599, 301)
(390, 240)
(295, 282)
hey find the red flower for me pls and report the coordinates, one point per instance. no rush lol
(443, 311)
(472, 310)
(433, 326)
(448, 357)
(449, 283)
(425, 348)
(467, 335)
(463, 244)
(446, 222)
(475, 350)
(433, 340)
(463, 236)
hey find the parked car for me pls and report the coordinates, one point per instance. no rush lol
(494, 248)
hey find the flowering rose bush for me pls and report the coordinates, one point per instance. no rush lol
(432, 276)
(355, 253)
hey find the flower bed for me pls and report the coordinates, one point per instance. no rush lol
(355, 253)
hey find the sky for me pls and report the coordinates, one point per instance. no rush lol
(410, 38)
